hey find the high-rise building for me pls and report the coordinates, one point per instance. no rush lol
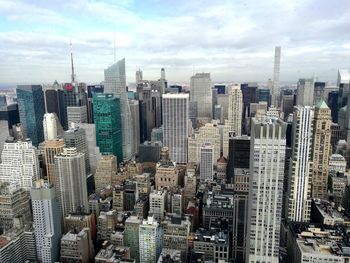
(235, 107)
(108, 123)
(157, 204)
(51, 149)
(52, 127)
(319, 90)
(77, 114)
(264, 95)
(76, 137)
(167, 173)
(343, 83)
(249, 93)
(150, 240)
(267, 155)
(276, 76)
(31, 107)
(106, 170)
(305, 92)
(321, 150)
(131, 236)
(14, 202)
(287, 103)
(135, 114)
(200, 91)
(115, 83)
(19, 164)
(206, 165)
(71, 187)
(77, 247)
(175, 125)
(47, 221)
(299, 187)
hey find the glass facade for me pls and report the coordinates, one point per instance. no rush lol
(31, 107)
(107, 119)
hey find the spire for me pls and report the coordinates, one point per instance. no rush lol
(71, 61)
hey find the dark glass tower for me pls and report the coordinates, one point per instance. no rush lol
(107, 119)
(31, 107)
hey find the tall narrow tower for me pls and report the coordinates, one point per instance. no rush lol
(235, 108)
(276, 76)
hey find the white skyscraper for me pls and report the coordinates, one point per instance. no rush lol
(200, 91)
(46, 221)
(305, 92)
(235, 108)
(299, 187)
(115, 83)
(157, 204)
(50, 126)
(267, 156)
(206, 166)
(175, 125)
(71, 187)
(19, 164)
(276, 76)
(150, 240)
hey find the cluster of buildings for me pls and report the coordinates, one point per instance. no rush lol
(210, 173)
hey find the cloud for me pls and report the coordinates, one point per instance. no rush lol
(234, 40)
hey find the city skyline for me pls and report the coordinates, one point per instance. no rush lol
(152, 35)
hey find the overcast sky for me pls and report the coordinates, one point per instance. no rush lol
(233, 40)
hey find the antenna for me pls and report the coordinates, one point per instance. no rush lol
(71, 60)
(114, 47)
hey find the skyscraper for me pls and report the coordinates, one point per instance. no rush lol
(200, 91)
(206, 165)
(106, 170)
(265, 189)
(31, 107)
(51, 149)
(235, 107)
(321, 150)
(299, 187)
(108, 125)
(52, 126)
(305, 92)
(150, 244)
(131, 236)
(71, 188)
(47, 222)
(19, 164)
(135, 114)
(276, 76)
(175, 125)
(115, 83)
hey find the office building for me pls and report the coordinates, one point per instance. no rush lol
(14, 202)
(18, 243)
(319, 90)
(52, 127)
(150, 240)
(264, 95)
(175, 125)
(249, 93)
(108, 122)
(51, 149)
(149, 151)
(76, 137)
(268, 137)
(235, 107)
(337, 163)
(77, 114)
(19, 164)
(176, 230)
(31, 108)
(200, 91)
(305, 92)
(240, 213)
(52, 100)
(47, 221)
(131, 236)
(106, 170)
(71, 187)
(321, 150)
(77, 247)
(206, 166)
(115, 83)
(157, 204)
(135, 114)
(299, 189)
(10, 115)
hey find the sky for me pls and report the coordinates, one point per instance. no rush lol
(233, 40)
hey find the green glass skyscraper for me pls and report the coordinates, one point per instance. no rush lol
(31, 108)
(107, 119)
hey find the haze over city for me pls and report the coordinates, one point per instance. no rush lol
(234, 40)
